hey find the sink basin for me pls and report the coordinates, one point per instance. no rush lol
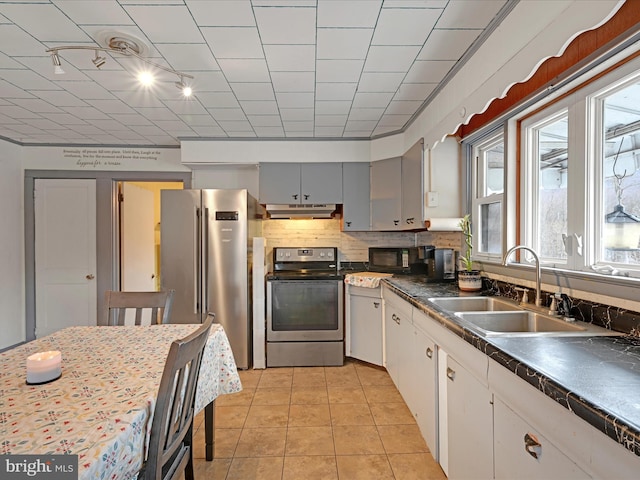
(523, 323)
(473, 304)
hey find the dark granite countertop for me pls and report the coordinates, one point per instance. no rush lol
(597, 378)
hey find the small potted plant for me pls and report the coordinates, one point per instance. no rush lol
(469, 279)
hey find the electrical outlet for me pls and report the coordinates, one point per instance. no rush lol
(432, 199)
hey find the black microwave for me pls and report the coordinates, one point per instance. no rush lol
(396, 260)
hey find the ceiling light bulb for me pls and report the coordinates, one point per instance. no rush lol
(57, 67)
(146, 79)
(186, 91)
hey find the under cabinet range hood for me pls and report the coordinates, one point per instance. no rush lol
(323, 210)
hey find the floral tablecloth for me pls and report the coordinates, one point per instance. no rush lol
(100, 407)
(365, 279)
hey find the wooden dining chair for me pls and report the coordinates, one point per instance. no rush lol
(152, 307)
(170, 450)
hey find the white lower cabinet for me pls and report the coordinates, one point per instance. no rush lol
(364, 324)
(397, 333)
(470, 425)
(522, 452)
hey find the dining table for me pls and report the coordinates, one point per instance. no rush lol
(101, 406)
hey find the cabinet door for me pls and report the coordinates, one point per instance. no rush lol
(365, 318)
(422, 392)
(280, 183)
(397, 324)
(386, 194)
(412, 188)
(356, 212)
(521, 452)
(470, 425)
(321, 183)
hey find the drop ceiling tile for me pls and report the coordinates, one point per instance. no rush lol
(43, 66)
(365, 114)
(253, 91)
(107, 125)
(188, 56)
(343, 43)
(407, 107)
(138, 98)
(342, 71)
(396, 121)
(328, 131)
(259, 107)
(86, 113)
(8, 90)
(34, 125)
(130, 136)
(6, 120)
(86, 129)
(428, 71)
(414, 91)
(154, 113)
(231, 13)
(359, 129)
(469, 13)
(293, 81)
(335, 91)
(111, 106)
(65, 119)
(244, 70)
(227, 114)
(44, 22)
(147, 130)
(59, 98)
(161, 140)
(332, 107)
(84, 12)
(218, 99)
(240, 133)
(154, 19)
(198, 120)
(105, 139)
(265, 120)
(380, 82)
(36, 105)
(297, 114)
(384, 130)
(295, 100)
(269, 131)
(236, 126)
(172, 125)
(348, 13)
(292, 26)
(186, 106)
(370, 100)
(283, 3)
(390, 58)
(298, 127)
(114, 80)
(86, 90)
(233, 42)
(331, 121)
(211, 81)
(129, 119)
(447, 44)
(8, 62)
(209, 131)
(290, 58)
(415, 3)
(404, 26)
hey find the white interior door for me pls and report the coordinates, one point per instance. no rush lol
(65, 254)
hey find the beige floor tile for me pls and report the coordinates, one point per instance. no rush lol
(307, 370)
(373, 376)
(250, 378)
(357, 440)
(309, 441)
(276, 380)
(415, 466)
(309, 395)
(310, 468)
(278, 371)
(256, 469)
(402, 439)
(214, 470)
(346, 394)
(230, 417)
(272, 396)
(226, 441)
(382, 394)
(350, 414)
(267, 416)
(309, 415)
(364, 467)
(342, 377)
(309, 379)
(243, 397)
(198, 420)
(261, 442)
(391, 414)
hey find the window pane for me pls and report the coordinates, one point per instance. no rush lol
(491, 177)
(621, 180)
(491, 228)
(552, 153)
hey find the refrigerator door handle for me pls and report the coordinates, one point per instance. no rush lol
(196, 260)
(205, 269)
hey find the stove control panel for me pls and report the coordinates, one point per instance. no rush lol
(295, 254)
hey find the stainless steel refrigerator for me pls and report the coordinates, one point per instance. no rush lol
(206, 242)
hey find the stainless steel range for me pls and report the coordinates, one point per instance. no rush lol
(305, 298)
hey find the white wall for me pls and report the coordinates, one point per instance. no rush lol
(12, 316)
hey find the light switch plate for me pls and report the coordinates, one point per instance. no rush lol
(432, 199)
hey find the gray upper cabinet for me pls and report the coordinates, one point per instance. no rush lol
(386, 196)
(356, 212)
(300, 183)
(412, 188)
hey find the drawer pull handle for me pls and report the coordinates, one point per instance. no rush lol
(376, 304)
(429, 352)
(451, 374)
(532, 445)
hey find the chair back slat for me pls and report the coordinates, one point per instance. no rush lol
(144, 307)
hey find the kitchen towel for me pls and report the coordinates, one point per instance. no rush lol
(365, 279)
(443, 224)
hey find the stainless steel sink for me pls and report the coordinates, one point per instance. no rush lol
(521, 323)
(473, 304)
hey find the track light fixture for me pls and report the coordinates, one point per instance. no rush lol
(126, 47)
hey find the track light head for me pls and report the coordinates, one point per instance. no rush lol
(186, 89)
(99, 61)
(57, 67)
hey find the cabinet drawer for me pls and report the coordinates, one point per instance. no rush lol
(364, 292)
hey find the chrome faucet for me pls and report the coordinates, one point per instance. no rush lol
(505, 262)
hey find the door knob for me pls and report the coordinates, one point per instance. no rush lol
(89, 277)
